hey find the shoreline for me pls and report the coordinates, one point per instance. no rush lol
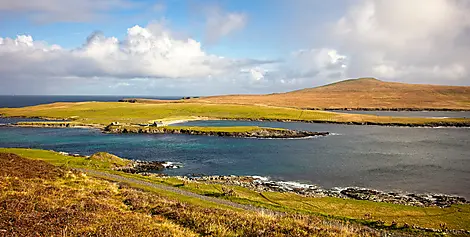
(249, 132)
(169, 121)
(263, 184)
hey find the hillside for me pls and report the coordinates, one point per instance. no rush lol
(364, 93)
(39, 199)
(46, 193)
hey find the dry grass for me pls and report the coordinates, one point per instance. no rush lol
(364, 93)
(103, 113)
(67, 203)
(64, 203)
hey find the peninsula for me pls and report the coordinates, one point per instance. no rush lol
(101, 114)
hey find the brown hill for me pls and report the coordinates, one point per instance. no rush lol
(363, 93)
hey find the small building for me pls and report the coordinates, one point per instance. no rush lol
(157, 124)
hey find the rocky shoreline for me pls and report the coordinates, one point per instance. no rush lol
(259, 133)
(261, 184)
(139, 167)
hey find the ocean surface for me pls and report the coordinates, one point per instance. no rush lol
(14, 101)
(421, 160)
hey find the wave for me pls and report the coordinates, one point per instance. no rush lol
(361, 193)
(172, 165)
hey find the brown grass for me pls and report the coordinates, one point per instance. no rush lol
(68, 203)
(366, 93)
(15, 166)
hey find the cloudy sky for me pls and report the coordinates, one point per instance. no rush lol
(177, 47)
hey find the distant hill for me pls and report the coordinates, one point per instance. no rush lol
(363, 93)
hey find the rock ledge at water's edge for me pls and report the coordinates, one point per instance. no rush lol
(258, 133)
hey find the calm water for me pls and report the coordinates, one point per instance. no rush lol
(29, 100)
(387, 158)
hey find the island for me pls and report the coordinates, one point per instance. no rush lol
(236, 131)
(226, 131)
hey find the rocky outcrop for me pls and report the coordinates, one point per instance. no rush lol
(257, 133)
(142, 166)
(261, 184)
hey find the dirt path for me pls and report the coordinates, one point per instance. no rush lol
(119, 178)
(113, 177)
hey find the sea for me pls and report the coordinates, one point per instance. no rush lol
(400, 159)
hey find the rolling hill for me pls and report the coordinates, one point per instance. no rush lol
(363, 93)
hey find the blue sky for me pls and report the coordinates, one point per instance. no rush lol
(176, 47)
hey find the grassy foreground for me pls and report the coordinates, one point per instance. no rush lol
(103, 113)
(42, 200)
(382, 215)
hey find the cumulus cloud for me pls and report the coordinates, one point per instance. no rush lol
(150, 52)
(414, 41)
(220, 24)
(145, 52)
(62, 10)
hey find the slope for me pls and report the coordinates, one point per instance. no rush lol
(363, 93)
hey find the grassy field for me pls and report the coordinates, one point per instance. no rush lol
(366, 93)
(366, 212)
(136, 128)
(42, 200)
(57, 202)
(103, 113)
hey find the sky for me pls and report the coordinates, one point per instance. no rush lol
(196, 48)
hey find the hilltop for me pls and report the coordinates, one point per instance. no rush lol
(363, 93)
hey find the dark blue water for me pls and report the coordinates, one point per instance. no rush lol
(29, 100)
(16, 120)
(388, 158)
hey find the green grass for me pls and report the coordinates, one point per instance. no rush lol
(221, 129)
(98, 161)
(170, 129)
(104, 113)
(455, 217)
(136, 128)
(56, 202)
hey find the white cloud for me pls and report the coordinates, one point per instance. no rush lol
(62, 10)
(143, 53)
(220, 24)
(415, 41)
(150, 52)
